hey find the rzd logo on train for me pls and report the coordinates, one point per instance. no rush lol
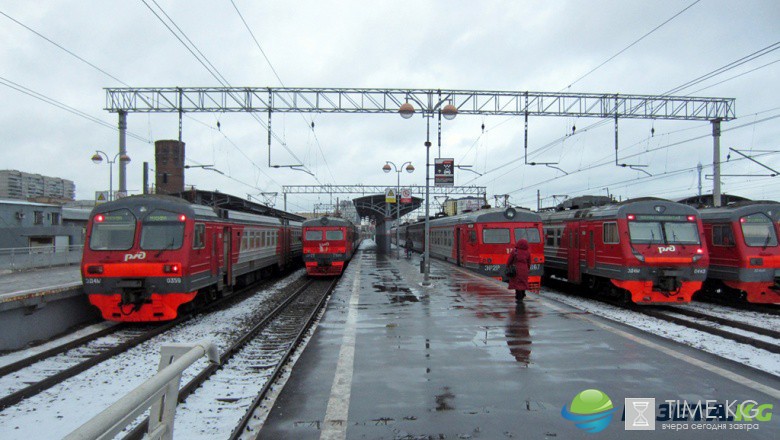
(137, 256)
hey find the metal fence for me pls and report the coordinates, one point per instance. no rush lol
(42, 256)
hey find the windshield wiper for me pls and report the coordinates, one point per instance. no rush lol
(766, 242)
(168, 246)
(675, 240)
(652, 238)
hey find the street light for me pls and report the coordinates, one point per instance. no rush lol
(449, 111)
(409, 169)
(97, 159)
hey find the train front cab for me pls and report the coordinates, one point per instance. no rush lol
(744, 251)
(326, 248)
(485, 247)
(137, 267)
(670, 254)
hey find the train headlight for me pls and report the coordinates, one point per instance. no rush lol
(95, 269)
(638, 256)
(756, 261)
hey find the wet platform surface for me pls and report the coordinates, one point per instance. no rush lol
(394, 360)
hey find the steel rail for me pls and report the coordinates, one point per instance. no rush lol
(139, 430)
(243, 424)
(38, 387)
(26, 362)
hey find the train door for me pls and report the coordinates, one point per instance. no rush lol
(573, 252)
(591, 247)
(214, 253)
(458, 250)
(227, 246)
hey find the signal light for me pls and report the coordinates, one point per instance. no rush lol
(99, 218)
(691, 218)
(631, 216)
(699, 251)
(171, 268)
(742, 220)
(95, 269)
(182, 218)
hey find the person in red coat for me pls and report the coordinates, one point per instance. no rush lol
(520, 257)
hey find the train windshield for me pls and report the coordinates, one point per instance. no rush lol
(645, 232)
(495, 236)
(313, 235)
(663, 232)
(162, 230)
(530, 234)
(113, 231)
(681, 233)
(334, 235)
(758, 231)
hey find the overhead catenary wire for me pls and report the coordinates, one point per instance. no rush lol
(309, 123)
(51, 101)
(632, 44)
(213, 71)
(70, 109)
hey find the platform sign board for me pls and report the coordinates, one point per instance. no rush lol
(390, 195)
(119, 194)
(101, 197)
(444, 172)
(406, 195)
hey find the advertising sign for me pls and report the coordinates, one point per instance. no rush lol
(444, 172)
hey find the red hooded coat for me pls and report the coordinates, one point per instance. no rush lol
(521, 258)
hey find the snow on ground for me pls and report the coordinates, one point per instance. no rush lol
(764, 320)
(63, 408)
(726, 348)
(15, 356)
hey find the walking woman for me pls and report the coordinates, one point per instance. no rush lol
(520, 258)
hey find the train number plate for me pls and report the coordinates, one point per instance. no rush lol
(492, 267)
(173, 280)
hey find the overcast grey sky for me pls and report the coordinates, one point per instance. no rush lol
(485, 45)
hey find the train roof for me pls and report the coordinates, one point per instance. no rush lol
(513, 215)
(640, 206)
(139, 204)
(226, 201)
(737, 210)
(327, 221)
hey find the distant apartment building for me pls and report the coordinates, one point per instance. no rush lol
(19, 185)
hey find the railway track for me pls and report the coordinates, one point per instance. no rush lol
(32, 375)
(737, 331)
(259, 354)
(699, 321)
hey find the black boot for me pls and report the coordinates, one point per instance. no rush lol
(519, 295)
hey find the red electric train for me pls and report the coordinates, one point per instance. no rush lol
(146, 256)
(744, 251)
(481, 240)
(647, 251)
(328, 244)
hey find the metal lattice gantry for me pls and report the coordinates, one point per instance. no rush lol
(480, 191)
(469, 102)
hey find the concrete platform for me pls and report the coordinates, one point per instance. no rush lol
(39, 304)
(394, 360)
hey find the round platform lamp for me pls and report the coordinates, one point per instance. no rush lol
(409, 169)
(97, 158)
(448, 111)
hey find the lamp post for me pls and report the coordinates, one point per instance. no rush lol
(409, 169)
(97, 158)
(449, 112)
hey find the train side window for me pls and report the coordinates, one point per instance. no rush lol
(198, 239)
(610, 233)
(722, 235)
